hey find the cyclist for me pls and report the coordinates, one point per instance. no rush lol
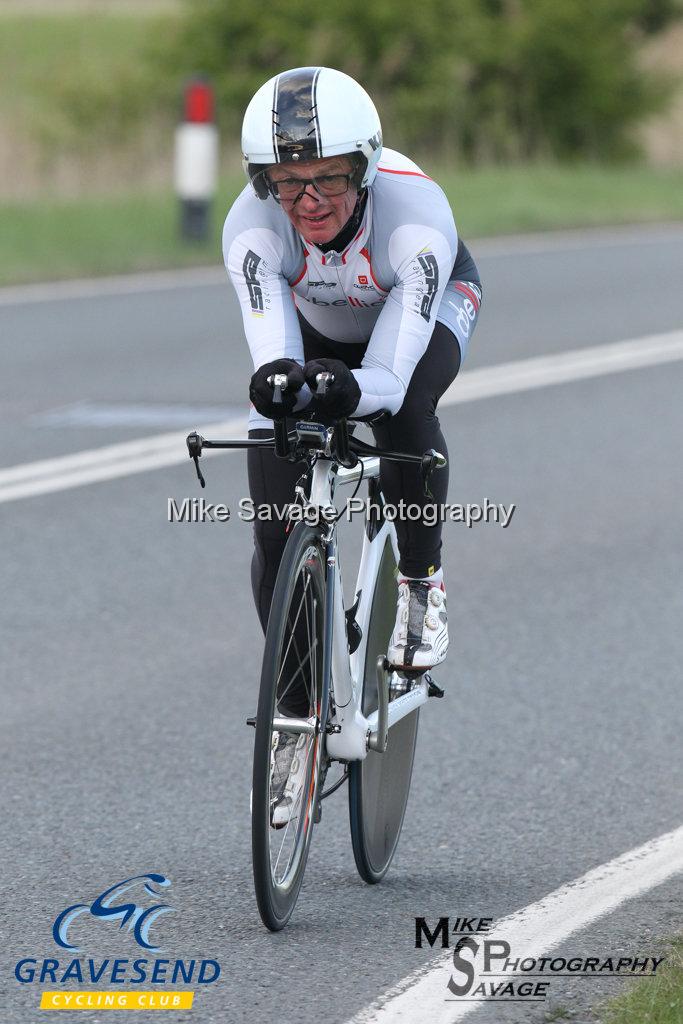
(345, 258)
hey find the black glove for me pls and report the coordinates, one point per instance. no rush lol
(261, 392)
(341, 397)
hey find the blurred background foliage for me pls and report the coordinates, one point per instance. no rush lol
(531, 113)
(477, 82)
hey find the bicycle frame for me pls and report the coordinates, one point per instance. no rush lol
(337, 728)
(352, 733)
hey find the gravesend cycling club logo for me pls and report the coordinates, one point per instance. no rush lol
(135, 907)
(106, 907)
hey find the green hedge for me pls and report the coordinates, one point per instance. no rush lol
(482, 80)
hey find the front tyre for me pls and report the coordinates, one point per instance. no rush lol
(292, 671)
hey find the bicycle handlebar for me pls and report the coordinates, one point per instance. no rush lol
(345, 448)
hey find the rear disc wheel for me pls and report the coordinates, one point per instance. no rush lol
(380, 784)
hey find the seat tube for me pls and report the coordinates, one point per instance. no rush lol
(349, 742)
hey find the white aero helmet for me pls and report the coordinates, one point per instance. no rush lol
(309, 114)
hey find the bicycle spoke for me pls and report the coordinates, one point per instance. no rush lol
(299, 670)
(295, 823)
(310, 647)
(315, 660)
(298, 611)
(309, 657)
(282, 846)
(302, 661)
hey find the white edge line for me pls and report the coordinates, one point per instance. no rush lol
(571, 239)
(577, 364)
(121, 284)
(533, 931)
(165, 455)
(168, 449)
(114, 455)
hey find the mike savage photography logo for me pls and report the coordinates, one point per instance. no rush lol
(199, 510)
(484, 967)
(134, 906)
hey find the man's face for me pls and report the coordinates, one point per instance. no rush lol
(318, 218)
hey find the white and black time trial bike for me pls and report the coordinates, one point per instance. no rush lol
(362, 713)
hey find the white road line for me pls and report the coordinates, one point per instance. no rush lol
(121, 284)
(168, 449)
(532, 932)
(133, 414)
(540, 371)
(572, 239)
(108, 462)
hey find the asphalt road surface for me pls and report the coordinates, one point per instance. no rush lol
(131, 652)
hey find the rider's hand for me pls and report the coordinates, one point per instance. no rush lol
(341, 397)
(261, 392)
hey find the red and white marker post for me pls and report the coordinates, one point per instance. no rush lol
(196, 160)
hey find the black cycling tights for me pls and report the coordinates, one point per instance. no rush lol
(415, 428)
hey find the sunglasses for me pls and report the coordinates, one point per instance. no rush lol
(292, 189)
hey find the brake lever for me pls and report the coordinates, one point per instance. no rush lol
(278, 382)
(194, 447)
(430, 461)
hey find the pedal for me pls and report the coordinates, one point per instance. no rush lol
(432, 689)
(398, 686)
(252, 722)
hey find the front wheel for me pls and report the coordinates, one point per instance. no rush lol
(380, 784)
(293, 683)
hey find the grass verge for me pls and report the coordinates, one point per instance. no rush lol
(50, 240)
(492, 201)
(46, 239)
(657, 1000)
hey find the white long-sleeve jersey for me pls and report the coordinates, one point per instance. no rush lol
(387, 287)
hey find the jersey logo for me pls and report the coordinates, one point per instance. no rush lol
(431, 274)
(249, 268)
(470, 291)
(362, 279)
(353, 301)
